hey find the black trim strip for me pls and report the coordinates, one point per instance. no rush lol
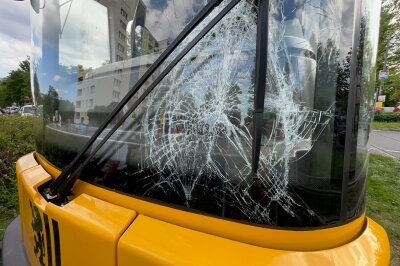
(351, 104)
(48, 240)
(56, 234)
(52, 191)
(69, 182)
(261, 78)
(183, 208)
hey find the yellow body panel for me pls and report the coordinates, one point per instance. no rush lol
(253, 235)
(89, 228)
(97, 224)
(152, 242)
(48, 167)
(32, 206)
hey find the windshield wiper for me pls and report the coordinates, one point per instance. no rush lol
(60, 187)
(260, 82)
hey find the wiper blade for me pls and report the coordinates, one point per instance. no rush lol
(62, 185)
(260, 81)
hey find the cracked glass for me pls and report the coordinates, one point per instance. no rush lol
(188, 142)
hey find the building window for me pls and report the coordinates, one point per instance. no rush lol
(121, 48)
(124, 14)
(122, 36)
(119, 58)
(78, 104)
(115, 94)
(91, 103)
(117, 82)
(79, 93)
(92, 89)
(122, 24)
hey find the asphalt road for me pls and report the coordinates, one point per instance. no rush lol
(385, 142)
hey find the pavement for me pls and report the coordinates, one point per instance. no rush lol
(385, 142)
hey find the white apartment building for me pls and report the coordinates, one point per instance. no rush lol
(133, 49)
(108, 83)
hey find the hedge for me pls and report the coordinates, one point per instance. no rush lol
(387, 117)
(16, 140)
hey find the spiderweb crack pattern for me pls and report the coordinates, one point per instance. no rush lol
(198, 121)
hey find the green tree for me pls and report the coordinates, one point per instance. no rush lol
(16, 87)
(51, 103)
(99, 113)
(36, 90)
(3, 91)
(389, 47)
(25, 65)
(67, 111)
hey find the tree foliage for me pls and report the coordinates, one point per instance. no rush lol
(51, 103)
(99, 113)
(389, 46)
(16, 87)
(67, 111)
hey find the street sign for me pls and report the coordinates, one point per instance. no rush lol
(382, 98)
(383, 74)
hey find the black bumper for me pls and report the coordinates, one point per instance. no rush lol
(13, 252)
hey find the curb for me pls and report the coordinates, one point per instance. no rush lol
(387, 129)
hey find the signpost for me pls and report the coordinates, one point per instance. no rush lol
(383, 74)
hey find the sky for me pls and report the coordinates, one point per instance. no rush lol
(15, 29)
(14, 34)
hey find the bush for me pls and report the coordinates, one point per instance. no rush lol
(15, 140)
(387, 117)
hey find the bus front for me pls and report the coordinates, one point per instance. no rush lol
(200, 132)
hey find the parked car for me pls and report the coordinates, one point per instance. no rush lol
(12, 109)
(29, 110)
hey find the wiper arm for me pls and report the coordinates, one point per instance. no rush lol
(260, 82)
(62, 185)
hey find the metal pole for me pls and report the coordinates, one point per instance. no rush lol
(381, 91)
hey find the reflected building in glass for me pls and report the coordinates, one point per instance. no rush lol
(186, 134)
(132, 45)
(253, 114)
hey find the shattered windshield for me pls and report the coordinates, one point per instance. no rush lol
(189, 142)
(186, 137)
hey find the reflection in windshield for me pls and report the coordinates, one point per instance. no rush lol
(189, 142)
(84, 63)
(84, 40)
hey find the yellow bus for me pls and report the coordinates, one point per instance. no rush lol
(201, 132)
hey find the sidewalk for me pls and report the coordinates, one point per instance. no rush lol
(385, 142)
